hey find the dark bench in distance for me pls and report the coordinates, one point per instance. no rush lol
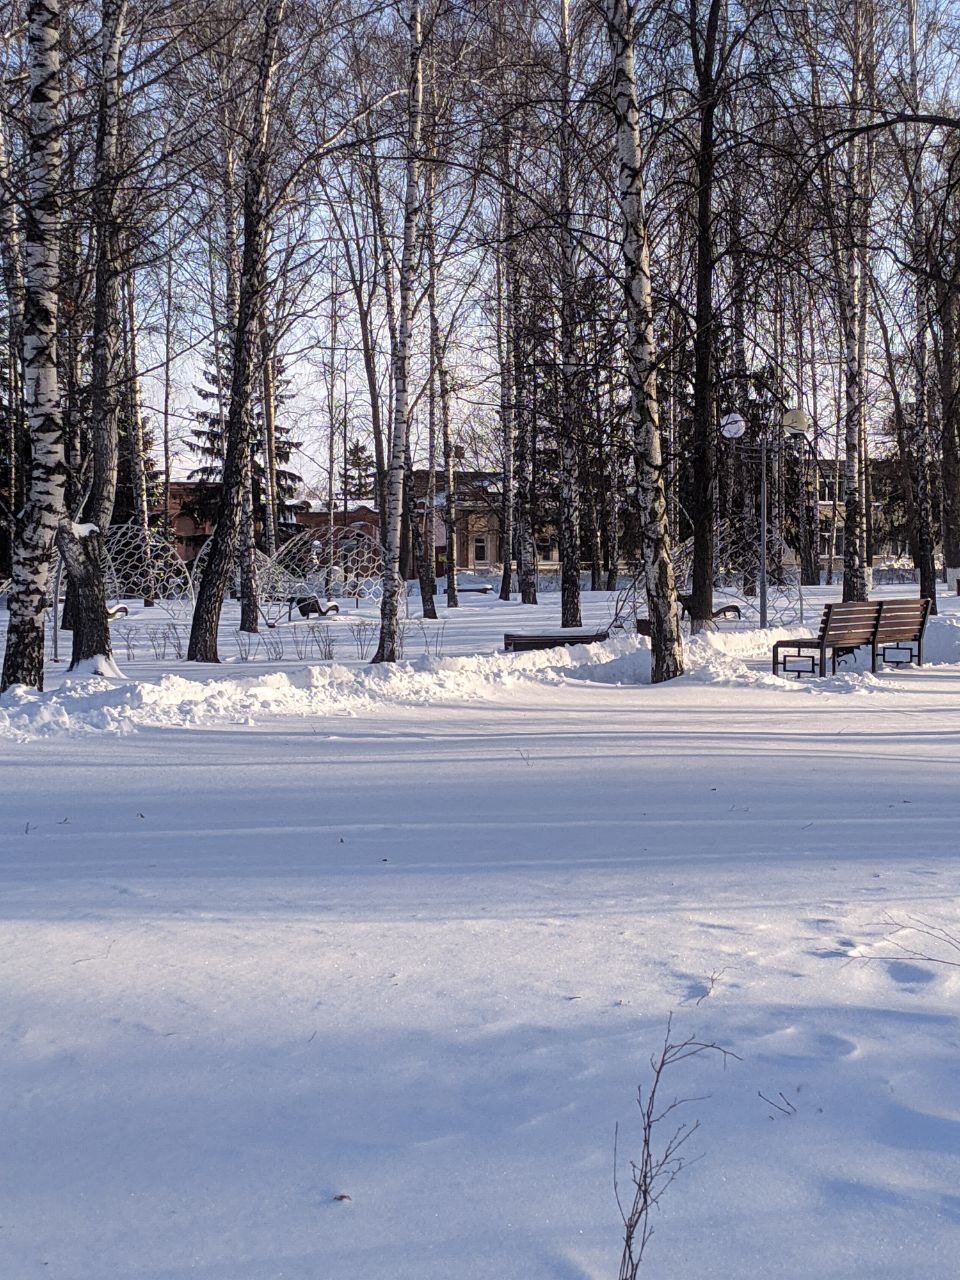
(888, 627)
(516, 642)
(725, 610)
(309, 605)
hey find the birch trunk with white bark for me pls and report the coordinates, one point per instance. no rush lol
(400, 355)
(569, 514)
(11, 264)
(37, 529)
(665, 641)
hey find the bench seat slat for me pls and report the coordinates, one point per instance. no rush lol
(850, 635)
(900, 632)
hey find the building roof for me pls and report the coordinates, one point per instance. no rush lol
(477, 486)
(318, 506)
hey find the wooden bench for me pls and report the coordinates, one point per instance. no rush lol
(483, 590)
(886, 626)
(900, 631)
(517, 642)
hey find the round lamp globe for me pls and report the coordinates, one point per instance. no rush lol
(732, 426)
(795, 422)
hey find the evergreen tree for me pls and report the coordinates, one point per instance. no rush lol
(208, 436)
(357, 476)
(208, 439)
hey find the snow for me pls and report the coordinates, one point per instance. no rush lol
(279, 931)
(98, 665)
(83, 530)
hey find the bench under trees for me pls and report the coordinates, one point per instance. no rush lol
(516, 642)
(892, 629)
(308, 605)
(725, 611)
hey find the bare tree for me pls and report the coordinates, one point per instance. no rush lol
(392, 582)
(216, 575)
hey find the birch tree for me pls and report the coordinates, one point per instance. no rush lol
(644, 410)
(569, 497)
(11, 264)
(400, 356)
(41, 517)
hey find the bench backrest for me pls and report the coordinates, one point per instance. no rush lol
(853, 623)
(902, 620)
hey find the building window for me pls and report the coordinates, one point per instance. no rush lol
(480, 551)
(829, 491)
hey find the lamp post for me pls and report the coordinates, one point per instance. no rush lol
(732, 426)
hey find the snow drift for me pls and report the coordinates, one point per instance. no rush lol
(97, 704)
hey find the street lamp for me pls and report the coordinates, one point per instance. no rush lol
(795, 422)
(732, 426)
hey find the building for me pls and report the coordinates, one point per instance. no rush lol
(312, 513)
(191, 514)
(193, 505)
(479, 532)
(888, 523)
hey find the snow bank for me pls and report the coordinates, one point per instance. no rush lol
(734, 658)
(942, 640)
(93, 703)
(96, 704)
(722, 657)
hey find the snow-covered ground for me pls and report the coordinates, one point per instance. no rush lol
(281, 931)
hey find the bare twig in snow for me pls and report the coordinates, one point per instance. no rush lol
(658, 1165)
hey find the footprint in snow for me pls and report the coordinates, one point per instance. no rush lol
(909, 975)
(832, 1048)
